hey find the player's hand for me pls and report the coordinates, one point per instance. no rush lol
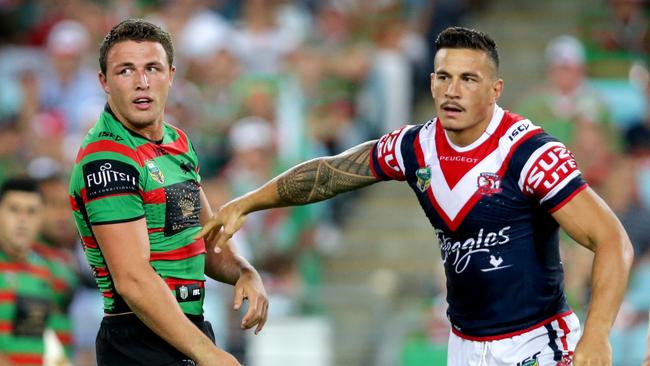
(593, 350)
(249, 286)
(222, 225)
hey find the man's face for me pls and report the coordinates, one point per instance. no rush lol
(20, 221)
(58, 226)
(566, 77)
(137, 81)
(465, 87)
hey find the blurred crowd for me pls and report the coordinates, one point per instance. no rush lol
(264, 84)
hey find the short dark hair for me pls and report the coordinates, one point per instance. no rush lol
(459, 37)
(21, 184)
(135, 30)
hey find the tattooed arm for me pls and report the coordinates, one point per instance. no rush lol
(312, 181)
(324, 178)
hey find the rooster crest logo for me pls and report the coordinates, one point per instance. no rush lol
(488, 184)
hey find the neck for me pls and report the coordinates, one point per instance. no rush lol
(151, 131)
(467, 136)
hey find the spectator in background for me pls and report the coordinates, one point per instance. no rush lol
(637, 145)
(260, 42)
(619, 29)
(627, 29)
(616, 35)
(275, 242)
(389, 87)
(637, 137)
(10, 144)
(56, 244)
(566, 107)
(72, 84)
(216, 72)
(55, 103)
(391, 72)
(272, 238)
(25, 280)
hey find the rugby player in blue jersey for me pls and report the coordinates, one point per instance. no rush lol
(497, 189)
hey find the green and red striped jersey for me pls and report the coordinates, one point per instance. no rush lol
(120, 176)
(64, 282)
(26, 297)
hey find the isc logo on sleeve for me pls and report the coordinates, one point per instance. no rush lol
(108, 177)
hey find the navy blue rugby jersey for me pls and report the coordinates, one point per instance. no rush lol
(490, 204)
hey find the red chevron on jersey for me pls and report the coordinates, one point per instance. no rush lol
(456, 161)
(551, 167)
(456, 171)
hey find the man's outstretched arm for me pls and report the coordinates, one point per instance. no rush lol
(323, 178)
(312, 181)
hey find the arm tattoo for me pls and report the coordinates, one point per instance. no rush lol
(324, 178)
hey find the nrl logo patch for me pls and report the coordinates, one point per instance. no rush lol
(154, 172)
(424, 178)
(488, 183)
(183, 292)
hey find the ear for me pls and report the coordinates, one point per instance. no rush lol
(433, 79)
(497, 89)
(172, 72)
(103, 82)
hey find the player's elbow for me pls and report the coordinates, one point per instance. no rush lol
(627, 251)
(618, 244)
(622, 240)
(129, 283)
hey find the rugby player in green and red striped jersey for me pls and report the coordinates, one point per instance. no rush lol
(137, 200)
(64, 281)
(55, 245)
(26, 293)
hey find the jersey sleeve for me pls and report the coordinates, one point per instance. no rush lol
(195, 163)
(551, 176)
(386, 160)
(111, 186)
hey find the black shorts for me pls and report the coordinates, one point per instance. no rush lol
(124, 340)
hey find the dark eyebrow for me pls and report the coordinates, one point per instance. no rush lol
(470, 74)
(131, 64)
(154, 63)
(123, 64)
(465, 74)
